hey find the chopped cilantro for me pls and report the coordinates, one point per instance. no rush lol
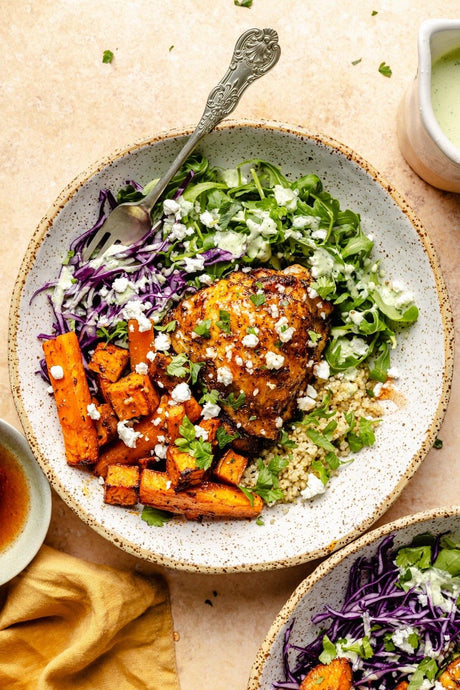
(385, 69)
(224, 321)
(203, 328)
(120, 332)
(285, 441)
(167, 328)
(181, 366)
(243, 3)
(235, 403)
(356, 62)
(155, 517)
(224, 438)
(267, 484)
(438, 444)
(188, 443)
(258, 299)
(107, 56)
(210, 397)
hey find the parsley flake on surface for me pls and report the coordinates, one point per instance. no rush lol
(243, 3)
(107, 56)
(385, 69)
(356, 62)
(155, 517)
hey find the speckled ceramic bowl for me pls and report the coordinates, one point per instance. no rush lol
(327, 585)
(18, 554)
(360, 493)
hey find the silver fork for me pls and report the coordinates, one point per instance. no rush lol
(256, 52)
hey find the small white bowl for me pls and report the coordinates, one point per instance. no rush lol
(17, 555)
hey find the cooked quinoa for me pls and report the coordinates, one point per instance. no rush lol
(347, 393)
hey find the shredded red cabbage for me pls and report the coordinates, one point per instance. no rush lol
(375, 605)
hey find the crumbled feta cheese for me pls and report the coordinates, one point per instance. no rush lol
(306, 403)
(93, 412)
(201, 433)
(205, 279)
(279, 422)
(134, 309)
(400, 638)
(273, 309)
(232, 242)
(127, 434)
(151, 355)
(322, 370)
(271, 385)
(250, 340)
(224, 375)
(142, 368)
(315, 487)
(193, 264)
(319, 234)
(211, 352)
(181, 393)
(170, 207)
(162, 342)
(393, 373)
(273, 360)
(311, 292)
(285, 333)
(209, 219)
(57, 372)
(160, 450)
(120, 284)
(178, 231)
(210, 410)
(311, 392)
(239, 360)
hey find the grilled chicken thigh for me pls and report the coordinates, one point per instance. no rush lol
(259, 335)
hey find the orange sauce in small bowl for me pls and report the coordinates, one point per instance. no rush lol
(14, 497)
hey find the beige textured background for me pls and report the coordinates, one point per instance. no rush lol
(61, 109)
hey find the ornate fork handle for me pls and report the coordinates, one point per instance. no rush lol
(256, 51)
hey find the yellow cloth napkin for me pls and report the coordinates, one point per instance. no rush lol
(68, 624)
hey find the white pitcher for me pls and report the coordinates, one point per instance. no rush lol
(424, 145)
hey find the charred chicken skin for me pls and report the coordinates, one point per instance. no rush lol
(259, 335)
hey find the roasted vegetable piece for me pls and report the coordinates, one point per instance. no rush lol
(210, 426)
(71, 393)
(121, 486)
(109, 361)
(450, 678)
(206, 500)
(334, 676)
(140, 344)
(158, 372)
(230, 468)
(149, 429)
(133, 396)
(182, 469)
(403, 685)
(106, 425)
(176, 414)
(193, 409)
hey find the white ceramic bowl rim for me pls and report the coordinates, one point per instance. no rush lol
(427, 30)
(179, 561)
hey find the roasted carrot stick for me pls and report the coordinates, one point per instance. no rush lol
(206, 500)
(139, 343)
(71, 393)
(149, 431)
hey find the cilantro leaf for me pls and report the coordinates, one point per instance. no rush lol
(203, 328)
(385, 69)
(198, 448)
(107, 56)
(224, 438)
(178, 366)
(155, 517)
(166, 328)
(243, 3)
(267, 483)
(224, 321)
(257, 299)
(235, 403)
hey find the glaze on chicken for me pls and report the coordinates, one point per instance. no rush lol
(259, 335)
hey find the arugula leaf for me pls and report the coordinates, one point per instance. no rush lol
(155, 517)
